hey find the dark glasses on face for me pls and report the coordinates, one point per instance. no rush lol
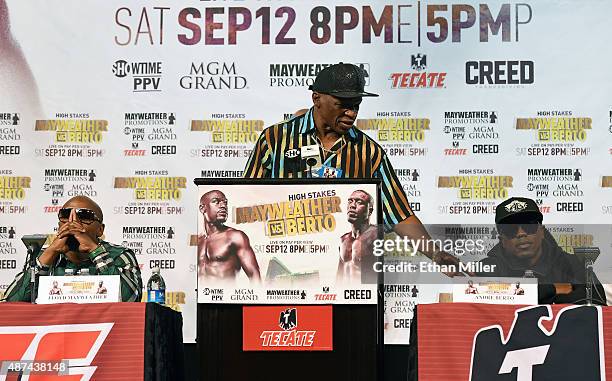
(510, 230)
(86, 216)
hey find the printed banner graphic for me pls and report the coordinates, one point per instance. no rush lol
(72, 342)
(282, 242)
(480, 100)
(287, 328)
(502, 342)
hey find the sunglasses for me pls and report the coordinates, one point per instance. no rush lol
(510, 230)
(86, 216)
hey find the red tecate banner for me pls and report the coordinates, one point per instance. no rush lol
(287, 328)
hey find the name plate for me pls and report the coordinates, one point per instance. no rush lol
(79, 289)
(496, 290)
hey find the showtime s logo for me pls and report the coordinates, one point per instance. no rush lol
(77, 343)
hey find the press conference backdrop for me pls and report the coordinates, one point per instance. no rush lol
(127, 103)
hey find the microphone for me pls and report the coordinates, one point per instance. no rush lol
(588, 255)
(34, 243)
(294, 161)
(312, 157)
(311, 161)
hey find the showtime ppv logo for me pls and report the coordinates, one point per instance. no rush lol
(78, 344)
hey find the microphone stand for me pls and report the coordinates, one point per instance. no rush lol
(588, 255)
(310, 162)
(34, 244)
(32, 256)
(588, 264)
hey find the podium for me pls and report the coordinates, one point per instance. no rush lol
(488, 342)
(106, 341)
(295, 230)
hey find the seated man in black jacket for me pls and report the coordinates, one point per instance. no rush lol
(525, 244)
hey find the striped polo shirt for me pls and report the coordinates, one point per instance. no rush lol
(356, 154)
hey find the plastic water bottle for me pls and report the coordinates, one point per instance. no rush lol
(68, 272)
(84, 271)
(156, 288)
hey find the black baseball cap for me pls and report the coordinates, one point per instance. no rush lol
(341, 80)
(516, 210)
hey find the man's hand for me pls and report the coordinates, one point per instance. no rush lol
(59, 245)
(563, 288)
(76, 229)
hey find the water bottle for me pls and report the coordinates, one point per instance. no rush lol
(68, 272)
(84, 271)
(528, 274)
(156, 288)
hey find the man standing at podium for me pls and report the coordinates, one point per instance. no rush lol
(77, 245)
(327, 128)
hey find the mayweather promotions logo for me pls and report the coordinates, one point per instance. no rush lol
(294, 217)
(303, 74)
(419, 77)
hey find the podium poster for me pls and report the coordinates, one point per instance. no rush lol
(291, 242)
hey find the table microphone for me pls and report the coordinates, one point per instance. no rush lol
(34, 243)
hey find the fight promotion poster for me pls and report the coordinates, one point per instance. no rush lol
(287, 242)
(126, 102)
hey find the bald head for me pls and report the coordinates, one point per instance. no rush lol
(84, 202)
(213, 205)
(206, 197)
